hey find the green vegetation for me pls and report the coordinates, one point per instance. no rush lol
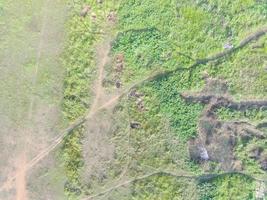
(250, 60)
(150, 130)
(243, 151)
(227, 187)
(166, 35)
(164, 188)
(182, 116)
(253, 115)
(78, 60)
(144, 50)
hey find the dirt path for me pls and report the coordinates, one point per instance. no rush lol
(102, 59)
(21, 191)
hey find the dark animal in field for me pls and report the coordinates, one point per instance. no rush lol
(85, 11)
(135, 125)
(118, 84)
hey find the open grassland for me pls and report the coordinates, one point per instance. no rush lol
(31, 41)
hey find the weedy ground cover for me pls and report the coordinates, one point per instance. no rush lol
(78, 60)
(227, 187)
(167, 35)
(161, 35)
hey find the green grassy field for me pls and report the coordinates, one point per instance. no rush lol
(173, 39)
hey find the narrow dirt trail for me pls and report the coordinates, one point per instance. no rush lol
(102, 59)
(96, 107)
(21, 191)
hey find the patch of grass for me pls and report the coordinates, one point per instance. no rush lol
(243, 151)
(245, 71)
(236, 187)
(164, 188)
(151, 43)
(147, 14)
(253, 115)
(78, 59)
(206, 191)
(157, 143)
(183, 116)
(144, 50)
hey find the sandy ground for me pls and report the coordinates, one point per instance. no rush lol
(29, 92)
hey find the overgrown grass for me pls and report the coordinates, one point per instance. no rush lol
(252, 115)
(228, 187)
(144, 50)
(183, 116)
(164, 188)
(164, 35)
(245, 71)
(201, 28)
(243, 151)
(150, 43)
(79, 62)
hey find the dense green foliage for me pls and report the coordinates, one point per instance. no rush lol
(206, 191)
(227, 187)
(182, 116)
(254, 115)
(144, 50)
(164, 188)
